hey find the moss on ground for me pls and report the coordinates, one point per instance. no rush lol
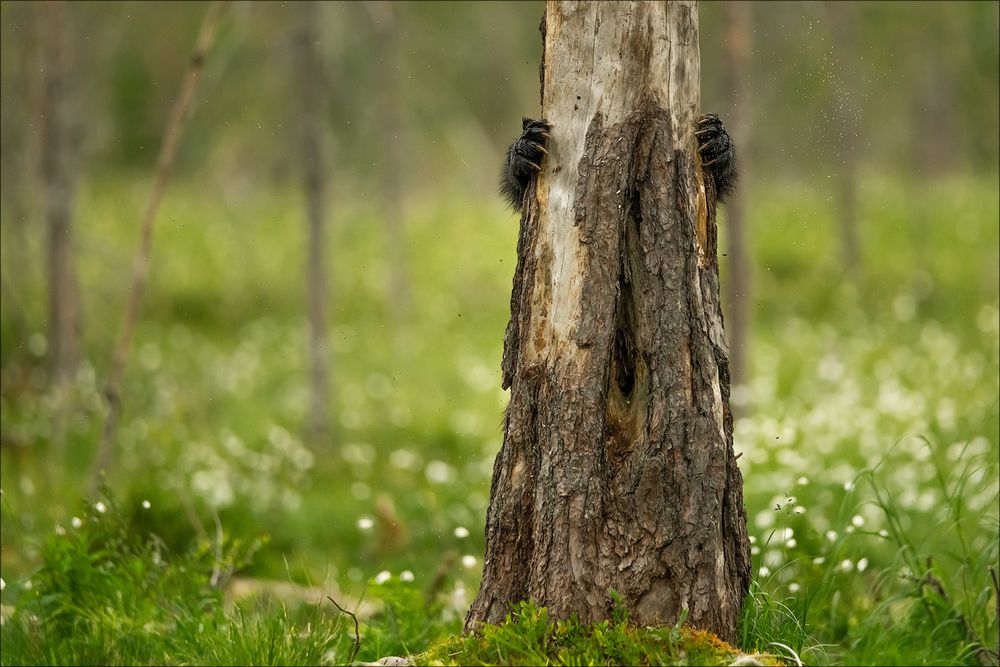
(526, 637)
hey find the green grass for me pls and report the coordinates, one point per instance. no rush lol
(870, 435)
(104, 596)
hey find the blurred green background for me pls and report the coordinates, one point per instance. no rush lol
(891, 366)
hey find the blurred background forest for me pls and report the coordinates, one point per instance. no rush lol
(861, 289)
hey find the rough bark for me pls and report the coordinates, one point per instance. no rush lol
(313, 116)
(617, 469)
(738, 289)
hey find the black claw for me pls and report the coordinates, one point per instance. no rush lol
(709, 144)
(527, 123)
(718, 154)
(524, 159)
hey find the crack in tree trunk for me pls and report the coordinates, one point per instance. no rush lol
(617, 470)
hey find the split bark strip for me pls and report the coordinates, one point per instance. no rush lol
(617, 469)
(313, 107)
(176, 124)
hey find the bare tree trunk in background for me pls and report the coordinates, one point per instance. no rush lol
(934, 113)
(59, 183)
(738, 290)
(20, 162)
(617, 469)
(313, 100)
(843, 17)
(387, 29)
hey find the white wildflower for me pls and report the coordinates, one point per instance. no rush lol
(383, 577)
(366, 523)
(100, 507)
(406, 575)
(461, 532)
(468, 561)
(76, 522)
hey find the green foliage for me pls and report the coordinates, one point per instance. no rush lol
(106, 595)
(409, 621)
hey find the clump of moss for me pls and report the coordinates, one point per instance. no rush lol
(527, 637)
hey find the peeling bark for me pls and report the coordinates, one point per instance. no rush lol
(617, 469)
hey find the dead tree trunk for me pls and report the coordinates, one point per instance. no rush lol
(617, 469)
(313, 117)
(738, 287)
(59, 183)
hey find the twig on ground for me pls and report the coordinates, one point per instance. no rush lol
(357, 631)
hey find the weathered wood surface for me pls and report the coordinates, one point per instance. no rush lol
(617, 468)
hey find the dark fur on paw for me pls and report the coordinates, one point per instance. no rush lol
(524, 160)
(717, 153)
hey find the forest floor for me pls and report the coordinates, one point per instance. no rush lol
(869, 431)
